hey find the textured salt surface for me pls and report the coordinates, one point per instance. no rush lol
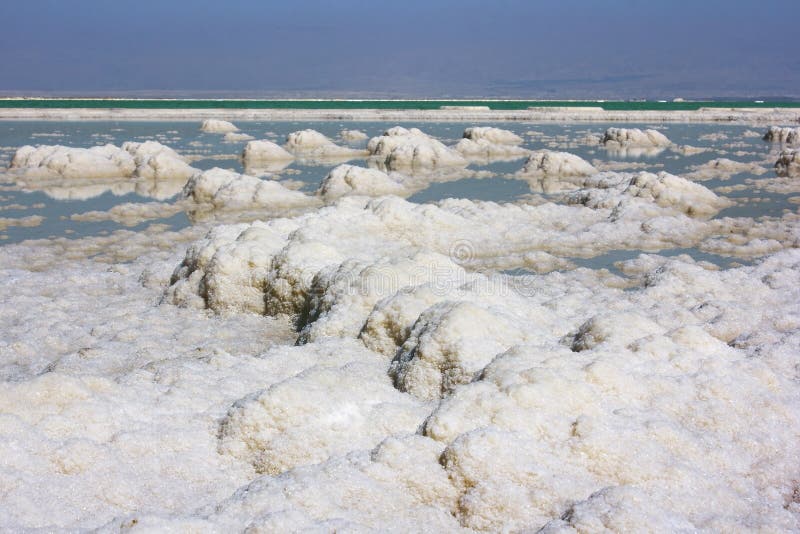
(204, 347)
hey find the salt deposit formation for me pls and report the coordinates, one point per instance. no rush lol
(559, 337)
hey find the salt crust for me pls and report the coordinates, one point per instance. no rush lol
(217, 126)
(423, 394)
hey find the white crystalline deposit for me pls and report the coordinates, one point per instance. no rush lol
(262, 151)
(662, 190)
(351, 180)
(273, 267)
(483, 149)
(223, 189)
(70, 163)
(150, 160)
(353, 135)
(788, 163)
(400, 148)
(373, 371)
(634, 137)
(310, 144)
(155, 161)
(325, 411)
(549, 172)
(234, 137)
(538, 387)
(786, 136)
(496, 136)
(634, 142)
(218, 126)
(550, 163)
(723, 168)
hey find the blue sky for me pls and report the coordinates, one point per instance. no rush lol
(413, 48)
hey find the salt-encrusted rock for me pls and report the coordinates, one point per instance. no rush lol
(399, 147)
(634, 137)
(279, 428)
(483, 149)
(71, 163)
(229, 190)
(723, 168)
(667, 191)
(314, 145)
(351, 180)
(788, 164)
(149, 159)
(493, 135)
(549, 163)
(235, 137)
(155, 161)
(217, 126)
(786, 136)
(353, 135)
(261, 151)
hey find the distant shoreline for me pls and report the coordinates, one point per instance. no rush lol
(377, 104)
(444, 111)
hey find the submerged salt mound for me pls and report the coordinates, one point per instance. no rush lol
(399, 147)
(547, 163)
(261, 151)
(341, 408)
(634, 137)
(223, 189)
(218, 126)
(493, 135)
(788, 164)
(351, 180)
(311, 144)
(786, 136)
(723, 168)
(615, 191)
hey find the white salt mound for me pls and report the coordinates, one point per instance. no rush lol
(788, 164)
(67, 162)
(155, 161)
(723, 168)
(608, 190)
(149, 159)
(493, 135)
(786, 136)
(351, 180)
(536, 387)
(217, 126)
(234, 137)
(399, 147)
(549, 163)
(487, 150)
(634, 137)
(264, 151)
(225, 189)
(312, 144)
(353, 135)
